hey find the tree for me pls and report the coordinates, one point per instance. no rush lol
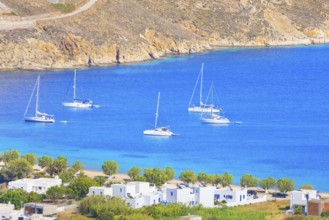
(16, 169)
(204, 178)
(170, 173)
(54, 193)
(10, 155)
(32, 158)
(217, 178)
(80, 187)
(18, 197)
(15, 197)
(267, 183)
(67, 175)
(110, 167)
(77, 166)
(306, 186)
(284, 185)
(248, 180)
(188, 176)
(57, 166)
(226, 179)
(100, 180)
(134, 172)
(45, 161)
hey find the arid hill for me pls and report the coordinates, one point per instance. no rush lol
(137, 30)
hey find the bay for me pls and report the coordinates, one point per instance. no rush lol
(280, 95)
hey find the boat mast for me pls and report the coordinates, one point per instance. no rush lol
(157, 112)
(201, 81)
(37, 96)
(74, 83)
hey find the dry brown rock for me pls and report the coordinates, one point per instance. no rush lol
(115, 31)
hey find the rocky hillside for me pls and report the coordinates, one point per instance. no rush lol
(137, 30)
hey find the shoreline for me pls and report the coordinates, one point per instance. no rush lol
(218, 46)
(123, 177)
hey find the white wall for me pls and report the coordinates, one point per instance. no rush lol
(204, 196)
(39, 186)
(103, 191)
(175, 195)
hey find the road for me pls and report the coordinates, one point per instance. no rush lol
(31, 23)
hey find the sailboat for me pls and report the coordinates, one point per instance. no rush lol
(158, 131)
(78, 103)
(38, 116)
(202, 107)
(213, 117)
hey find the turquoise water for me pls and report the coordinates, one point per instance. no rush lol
(280, 95)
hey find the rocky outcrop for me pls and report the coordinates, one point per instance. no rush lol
(115, 31)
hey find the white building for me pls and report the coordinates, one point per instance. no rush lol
(100, 190)
(235, 195)
(204, 195)
(300, 198)
(136, 194)
(39, 186)
(193, 195)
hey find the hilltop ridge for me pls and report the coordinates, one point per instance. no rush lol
(114, 31)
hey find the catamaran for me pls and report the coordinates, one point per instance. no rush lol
(158, 131)
(202, 107)
(78, 103)
(38, 116)
(212, 117)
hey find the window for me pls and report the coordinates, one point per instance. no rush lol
(93, 192)
(154, 201)
(171, 193)
(120, 190)
(240, 198)
(244, 196)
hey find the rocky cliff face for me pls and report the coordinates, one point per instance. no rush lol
(115, 31)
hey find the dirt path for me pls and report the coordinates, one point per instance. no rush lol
(30, 23)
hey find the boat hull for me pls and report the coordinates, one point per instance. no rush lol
(77, 105)
(158, 132)
(201, 109)
(215, 121)
(39, 119)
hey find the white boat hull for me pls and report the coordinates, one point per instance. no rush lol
(201, 109)
(77, 105)
(221, 120)
(39, 119)
(158, 132)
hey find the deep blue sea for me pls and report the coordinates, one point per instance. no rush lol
(281, 96)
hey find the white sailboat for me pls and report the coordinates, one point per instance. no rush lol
(158, 131)
(78, 103)
(213, 117)
(38, 116)
(201, 107)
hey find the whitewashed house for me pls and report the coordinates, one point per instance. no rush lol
(100, 190)
(179, 195)
(301, 197)
(235, 195)
(204, 195)
(194, 195)
(136, 194)
(39, 186)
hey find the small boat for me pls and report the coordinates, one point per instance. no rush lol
(202, 107)
(38, 116)
(213, 117)
(78, 103)
(158, 131)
